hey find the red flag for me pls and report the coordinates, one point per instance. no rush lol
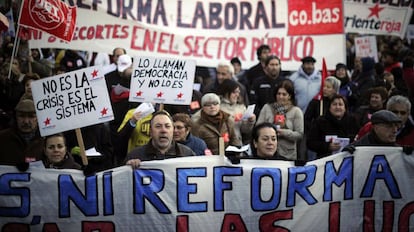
(4, 23)
(51, 16)
(324, 75)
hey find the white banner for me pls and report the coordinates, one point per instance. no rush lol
(366, 46)
(370, 190)
(387, 18)
(71, 100)
(209, 31)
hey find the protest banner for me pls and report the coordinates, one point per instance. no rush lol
(209, 31)
(369, 190)
(162, 80)
(71, 100)
(366, 46)
(51, 16)
(377, 17)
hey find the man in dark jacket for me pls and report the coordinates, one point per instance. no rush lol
(385, 125)
(21, 143)
(161, 145)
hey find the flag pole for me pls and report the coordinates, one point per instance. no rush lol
(16, 39)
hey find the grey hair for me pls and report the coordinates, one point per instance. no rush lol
(334, 82)
(228, 65)
(398, 99)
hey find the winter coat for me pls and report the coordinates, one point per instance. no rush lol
(329, 125)
(306, 87)
(206, 131)
(290, 134)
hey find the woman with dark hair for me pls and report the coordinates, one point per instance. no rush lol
(287, 117)
(56, 154)
(328, 130)
(229, 93)
(264, 141)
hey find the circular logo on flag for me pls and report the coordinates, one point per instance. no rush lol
(46, 13)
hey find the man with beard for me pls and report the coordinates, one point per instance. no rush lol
(307, 82)
(161, 145)
(262, 88)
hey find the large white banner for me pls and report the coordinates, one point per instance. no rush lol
(209, 31)
(71, 100)
(370, 190)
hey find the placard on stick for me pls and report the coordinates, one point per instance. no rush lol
(71, 100)
(162, 80)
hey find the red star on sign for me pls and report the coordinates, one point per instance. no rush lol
(159, 94)
(180, 95)
(94, 73)
(375, 10)
(47, 121)
(139, 93)
(104, 111)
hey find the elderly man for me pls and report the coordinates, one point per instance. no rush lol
(21, 143)
(385, 125)
(161, 145)
(401, 107)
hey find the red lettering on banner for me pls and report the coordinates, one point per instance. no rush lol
(318, 18)
(267, 221)
(150, 40)
(88, 226)
(334, 216)
(50, 227)
(12, 227)
(404, 218)
(182, 223)
(387, 216)
(233, 222)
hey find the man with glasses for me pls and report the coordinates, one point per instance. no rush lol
(385, 125)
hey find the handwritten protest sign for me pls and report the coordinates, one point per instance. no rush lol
(366, 46)
(162, 80)
(71, 100)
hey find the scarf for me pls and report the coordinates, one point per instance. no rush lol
(216, 120)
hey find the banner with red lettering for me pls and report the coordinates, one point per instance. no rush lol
(51, 16)
(377, 17)
(370, 190)
(209, 31)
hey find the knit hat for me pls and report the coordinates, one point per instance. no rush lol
(25, 106)
(210, 97)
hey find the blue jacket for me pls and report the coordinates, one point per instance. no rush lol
(306, 87)
(196, 144)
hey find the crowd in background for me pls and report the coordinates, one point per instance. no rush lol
(306, 125)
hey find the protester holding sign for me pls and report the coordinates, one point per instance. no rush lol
(162, 145)
(56, 154)
(21, 143)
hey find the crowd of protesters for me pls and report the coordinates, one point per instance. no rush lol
(302, 125)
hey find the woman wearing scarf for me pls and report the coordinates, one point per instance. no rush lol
(211, 124)
(287, 117)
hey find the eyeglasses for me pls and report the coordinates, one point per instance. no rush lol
(399, 112)
(210, 104)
